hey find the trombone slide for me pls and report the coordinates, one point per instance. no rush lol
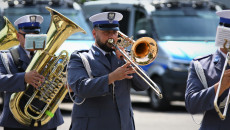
(143, 76)
(222, 115)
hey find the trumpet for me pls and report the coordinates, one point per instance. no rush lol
(143, 52)
(226, 100)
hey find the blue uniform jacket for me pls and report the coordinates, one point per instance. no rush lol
(101, 110)
(200, 100)
(10, 83)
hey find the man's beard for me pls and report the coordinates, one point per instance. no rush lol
(104, 46)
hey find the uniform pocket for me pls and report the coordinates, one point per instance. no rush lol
(79, 123)
(85, 110)
(96, 73)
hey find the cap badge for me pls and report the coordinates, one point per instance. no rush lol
(111, 17)
(33, 18)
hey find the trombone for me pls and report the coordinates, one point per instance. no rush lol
(143, 52)
(227, 61)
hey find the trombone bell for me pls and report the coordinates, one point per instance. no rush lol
(144, 51)
(141, 50)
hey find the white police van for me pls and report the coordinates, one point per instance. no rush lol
(183, 30)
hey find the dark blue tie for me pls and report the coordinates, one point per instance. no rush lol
(31, 55)
(108, 56)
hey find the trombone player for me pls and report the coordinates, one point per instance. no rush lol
(102, 87)
(13, 77)
(205, 77)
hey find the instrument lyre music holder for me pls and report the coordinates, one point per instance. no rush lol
(35, 41)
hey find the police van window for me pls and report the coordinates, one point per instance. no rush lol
(143, 26)
(138, 15)
(125, 20)
(185, 25)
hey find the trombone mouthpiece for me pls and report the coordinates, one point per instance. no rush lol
(110, 41)
(160, 96)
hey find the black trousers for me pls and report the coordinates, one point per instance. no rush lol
(6, 128)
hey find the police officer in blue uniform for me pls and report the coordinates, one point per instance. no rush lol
(106, 96)
(13, 77)
(199, 99)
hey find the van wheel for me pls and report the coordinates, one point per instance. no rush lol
(155, 102)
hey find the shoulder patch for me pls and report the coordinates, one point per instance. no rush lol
(202, 57)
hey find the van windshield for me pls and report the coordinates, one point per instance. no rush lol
(185, 24)
(75, 15)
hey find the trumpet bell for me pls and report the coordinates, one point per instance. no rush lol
(144, 51)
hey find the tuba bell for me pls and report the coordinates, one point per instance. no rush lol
(8, 35)
(35, 107)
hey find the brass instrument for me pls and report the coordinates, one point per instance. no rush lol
(143, 52)
(8, 35)
(35, 107)
(227, 61)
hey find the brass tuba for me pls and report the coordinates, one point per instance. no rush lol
(8, 35)
(35, 107)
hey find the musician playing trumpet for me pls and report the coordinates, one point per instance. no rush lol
(102, 88)
(205, 77)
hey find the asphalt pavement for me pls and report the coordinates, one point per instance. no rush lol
(175, 118)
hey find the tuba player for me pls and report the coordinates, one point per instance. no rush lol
(13, 77)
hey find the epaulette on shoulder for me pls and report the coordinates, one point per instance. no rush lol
(14, 47)
(82, 51)
(4, 51)
(8, 51)
(202, 57)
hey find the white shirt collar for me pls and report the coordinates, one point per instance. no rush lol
(224, 55)
(27, 52)
(103, 52)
